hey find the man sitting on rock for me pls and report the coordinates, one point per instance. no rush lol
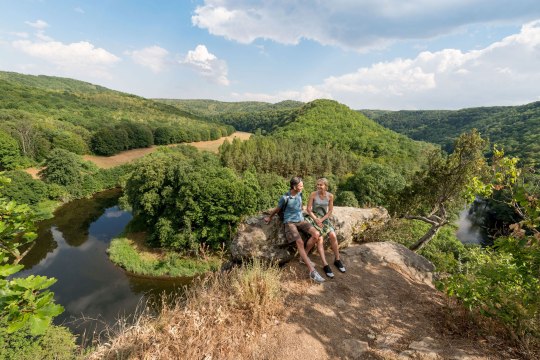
(293, 221)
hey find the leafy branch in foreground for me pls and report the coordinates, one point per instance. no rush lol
(23, 301)
(504, 281)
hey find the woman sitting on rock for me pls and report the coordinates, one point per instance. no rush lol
(319, 208)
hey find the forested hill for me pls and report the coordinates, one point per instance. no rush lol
(249, 116)
(326, 137)
(39, 113)
(329, 122)
(515, 128)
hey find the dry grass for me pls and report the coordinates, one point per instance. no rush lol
(106, 162)
(218, 319)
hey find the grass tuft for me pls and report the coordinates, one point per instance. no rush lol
(220, 317)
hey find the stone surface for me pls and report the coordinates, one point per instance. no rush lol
(398, 257)
(256, 239)
(354, 348)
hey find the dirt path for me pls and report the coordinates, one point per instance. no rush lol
(106, 162)
(371, 312)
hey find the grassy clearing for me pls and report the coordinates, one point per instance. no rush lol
(125, 253)
(220, 317)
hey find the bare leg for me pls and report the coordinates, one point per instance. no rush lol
(303, 253)
(334, 244)
(312, 240)
(320, 249)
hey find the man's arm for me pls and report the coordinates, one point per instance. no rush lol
(267, 219)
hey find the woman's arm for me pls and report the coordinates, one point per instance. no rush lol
(330, 207)
(310, 209)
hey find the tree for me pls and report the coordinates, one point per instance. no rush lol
(109, 141)
(443, 186)
(62, 168)
(503, 281)
(375, 185)
(187, 198)
(9, 151)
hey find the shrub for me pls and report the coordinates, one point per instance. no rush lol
(62, 168)
(71, 142)
(24, 189)
(58, 343)
(499, 285)
(9, 152)
(375, 184)
(346, 198)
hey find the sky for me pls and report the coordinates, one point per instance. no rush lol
(367, 54)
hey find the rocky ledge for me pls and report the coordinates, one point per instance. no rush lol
(257, 240)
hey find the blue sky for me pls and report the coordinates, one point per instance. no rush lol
(367, 54)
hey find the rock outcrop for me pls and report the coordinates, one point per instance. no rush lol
(398, 257)
(256, 239)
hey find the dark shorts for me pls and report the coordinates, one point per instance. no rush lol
(291, 230)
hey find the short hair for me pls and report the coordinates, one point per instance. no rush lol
(324, 181)
(295, 181)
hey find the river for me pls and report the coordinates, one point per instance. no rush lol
(71, 247)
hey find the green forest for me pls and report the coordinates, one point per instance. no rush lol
(514, 128)
(189, 203)
(41, 113)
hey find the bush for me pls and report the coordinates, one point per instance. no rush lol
(499, 285)
(109, 141)
(9, 152)
(24, 189)
(346, 198)
(62, 168)
(375, 185)
(57, 343)
(71, 142)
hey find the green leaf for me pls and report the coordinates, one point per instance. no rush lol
(38, 325)
(8, 269)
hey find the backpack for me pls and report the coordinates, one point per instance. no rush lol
(281, 211)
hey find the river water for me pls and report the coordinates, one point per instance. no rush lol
(71, 247)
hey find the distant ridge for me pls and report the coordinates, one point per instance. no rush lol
(515, 128)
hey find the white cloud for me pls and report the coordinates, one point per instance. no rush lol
(308, 93)
(153, 57)
(354, 24)
(79, 10)
(81, 57)
(38, 24)
(506, 72)
(207, 64)
(21, 34)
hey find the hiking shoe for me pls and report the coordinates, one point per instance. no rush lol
(339, 265)
(311, 262)
(314, 275)
(328, 271)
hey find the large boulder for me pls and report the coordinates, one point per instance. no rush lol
(256, 239)
(395, 256)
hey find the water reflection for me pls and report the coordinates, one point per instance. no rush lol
(72, 248)
(470, 225)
